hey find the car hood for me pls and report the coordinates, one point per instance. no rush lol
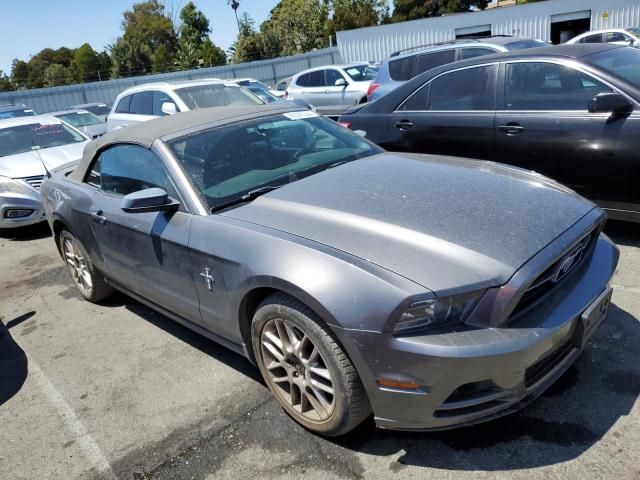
(447, 223)
(28, 164)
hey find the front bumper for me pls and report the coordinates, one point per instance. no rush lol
(19, 201)
(476, 375)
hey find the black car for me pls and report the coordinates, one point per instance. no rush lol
(571, 112)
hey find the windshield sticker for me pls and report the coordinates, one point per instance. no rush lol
(300, 115)
(47, 129)
(353, 71)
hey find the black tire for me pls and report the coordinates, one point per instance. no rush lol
(98, 288)
(350, 405)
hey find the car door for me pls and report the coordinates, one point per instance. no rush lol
(144, 252)
(453, 114)
(338, 97)
(118, 118)
(141, 108)
(310, 87)
(543, 124)
(618, 38)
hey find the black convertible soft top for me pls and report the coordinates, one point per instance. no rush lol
(145, 133)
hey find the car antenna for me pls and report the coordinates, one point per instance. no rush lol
(36, 148)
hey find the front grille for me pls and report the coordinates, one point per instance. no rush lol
(559, 271)
(35, 182)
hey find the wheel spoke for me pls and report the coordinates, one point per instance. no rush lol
(322, 386)
(322, 372)
(320, 409)
(293, 338)
(282, 333)
(274, 340)
(273, 351)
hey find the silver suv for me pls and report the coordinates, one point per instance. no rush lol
(153, 100)
(331, 89)
(405, 64)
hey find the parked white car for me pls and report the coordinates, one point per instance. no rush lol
(27, 145)
(619, 36)
(153, 100)
(85, 121)
(333, 88)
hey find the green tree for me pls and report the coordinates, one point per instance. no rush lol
(5, 83)
(212, 55)
(350, 14)
(455, 6)
(55, 75)
(148, 42)
(20, 73)
(62, 56)
(195, 25)
(299, 24)
(84, 65)
(187, 55)
(404, 10)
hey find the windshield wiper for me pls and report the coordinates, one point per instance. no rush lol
(247, 197)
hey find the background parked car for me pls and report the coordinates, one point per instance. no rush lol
(15, 111)
(333, 88)
(88, 123)
(570, 112)
(619, 36)
(99, 109)
(153, 100)
(265, 94)
(406, 64)
(281, 87)
(25, 144)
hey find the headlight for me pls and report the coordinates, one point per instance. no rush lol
(435, 313)
(7, 185)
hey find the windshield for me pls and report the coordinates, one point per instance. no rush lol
(261, 91)
(362, 73)
(80, 119)
(634, 31)
(522, 44)
(622, 62)
(227, 162)
(98, 109)
(36, 136)
(218, 95)
(19, 112)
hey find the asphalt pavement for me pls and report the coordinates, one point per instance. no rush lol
(118, 391)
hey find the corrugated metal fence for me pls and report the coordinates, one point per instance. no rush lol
(44, 100)
(530, 20)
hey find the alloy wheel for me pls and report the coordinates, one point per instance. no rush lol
(296, 370)
(77, 264)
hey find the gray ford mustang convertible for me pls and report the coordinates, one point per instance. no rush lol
(432, 292)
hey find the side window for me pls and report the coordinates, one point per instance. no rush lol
(433, 60)
(123, 106)
(472, 52)
(142, 103)
(592, 39)
(400, 69)
(125, 169)
(282, 86)
(316, 79)
(549, 86)
(331, 77)
(468, 89)
(616, 37)
(158, 99)
(303, 80)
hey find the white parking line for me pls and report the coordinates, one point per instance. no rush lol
(86, 443)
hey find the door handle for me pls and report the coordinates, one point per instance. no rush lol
(403, 125)
(98, 217)
(511, 128)
(327, 91)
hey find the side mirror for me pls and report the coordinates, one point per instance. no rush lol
(169, 108)
(148, 200)
(613, 103)
(341, 82)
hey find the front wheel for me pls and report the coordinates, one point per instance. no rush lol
(305, 368)
(88, 281)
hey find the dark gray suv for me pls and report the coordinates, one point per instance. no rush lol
(406, 64)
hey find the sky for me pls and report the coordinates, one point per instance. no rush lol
(28, 26)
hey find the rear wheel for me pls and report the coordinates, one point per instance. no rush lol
(89, 282)
(305, 368)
